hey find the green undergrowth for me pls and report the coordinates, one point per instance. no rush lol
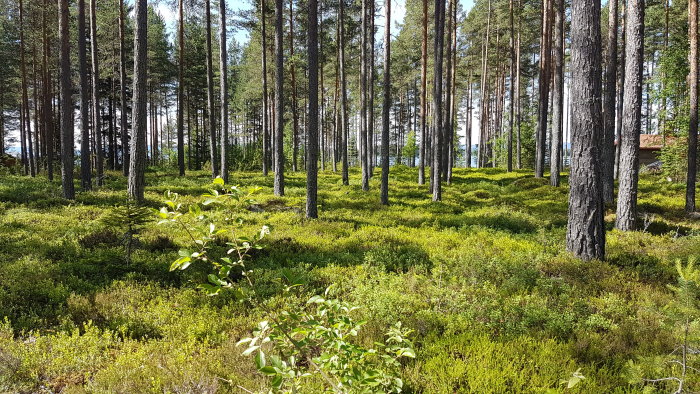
(482, 278)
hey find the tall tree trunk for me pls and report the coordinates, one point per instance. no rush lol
(25, 126)
(364, 105)
(137, 164)
(279, 101)
(518, 144)
(211, 118)
(386, 106)
(312, 119)
(223, 86)
(608, 141)
(180, 89)
(265, 117)
(557, 94)
(370, 115)
(468, 120)
(544, 80)
(85, 162)
(620, 93)
(423, 96)
(511, 92)
(295, 115)
(97, 121)
(693, 87)
(67, 138)
(122, 92)
(632, 116)
(483, 102)
(447, 125)
(437, 99)
(585, 236)
(343, 95)
(47, 93)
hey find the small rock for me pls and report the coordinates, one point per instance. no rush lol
(255, 208)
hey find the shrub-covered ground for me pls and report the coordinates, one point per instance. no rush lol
(482, 278)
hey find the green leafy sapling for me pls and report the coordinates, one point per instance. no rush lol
(683, 314)
(129, 219)
(203, 228)
(316, 340)
(292, 346)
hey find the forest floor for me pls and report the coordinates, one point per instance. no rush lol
(483, 279)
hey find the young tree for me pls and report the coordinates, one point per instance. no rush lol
(96, 115)
(631, 117)
(557, 94)
(279, 101)
(585, 236)
(85, 163)
(312, 119)
(386, 107)
(223, 86)
(137, 164)
(608, 141)
(693, 87)
(67, 138)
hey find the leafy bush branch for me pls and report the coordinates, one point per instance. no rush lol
(295, 345)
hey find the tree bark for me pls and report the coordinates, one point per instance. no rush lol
(223, 86)
(279, 101)
(632, 117)
(137, 164)
(693, 88)
(557, 95)
(312, 119)
(620, 93)
(586, 228)
(386, 107)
